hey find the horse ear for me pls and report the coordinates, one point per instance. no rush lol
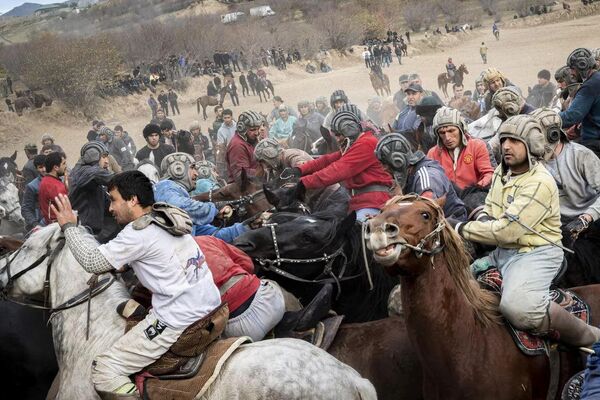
(271, 197)
(243, 180)
(440, 201)
(14, 156)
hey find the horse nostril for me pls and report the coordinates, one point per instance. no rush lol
(391, 230)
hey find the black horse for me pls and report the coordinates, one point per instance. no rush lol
(293, 198)
(321, 248)
(265, 89)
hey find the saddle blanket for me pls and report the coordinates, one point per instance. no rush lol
(528, 343)
(215, 357)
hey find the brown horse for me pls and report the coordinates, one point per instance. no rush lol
(454, 326)
(443, 79)
(381, 86)
(245, 195)
(206, 101)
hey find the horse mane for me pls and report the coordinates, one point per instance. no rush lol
(457, 260)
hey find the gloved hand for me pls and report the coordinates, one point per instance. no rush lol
(291, 172)
(325, 134)
(225, 212)
(577, 226)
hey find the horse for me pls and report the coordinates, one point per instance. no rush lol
(280, 368)
(443, 79)
(329, 250)
(381, 86)
(28, 361)
(148, 168)
(245, 195)
(450, 320)
(12, 221)
(205, 101)
(265, 89)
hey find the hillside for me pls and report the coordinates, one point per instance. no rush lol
(24, 10)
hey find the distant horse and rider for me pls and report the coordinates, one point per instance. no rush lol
(444, 78)
(380, 84)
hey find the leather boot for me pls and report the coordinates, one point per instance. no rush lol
(571, 329)
(308, 317)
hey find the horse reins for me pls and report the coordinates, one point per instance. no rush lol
(274, 265)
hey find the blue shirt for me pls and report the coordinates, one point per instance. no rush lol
(585, 109)
(407, 120)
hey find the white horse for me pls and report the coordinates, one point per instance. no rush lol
(271, 369)
(12, 221)
(148, 168)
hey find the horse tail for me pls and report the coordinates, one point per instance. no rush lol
(198, 105)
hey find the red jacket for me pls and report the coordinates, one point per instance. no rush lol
(357, 168)
(240, 155)
(50, 187)
(225, 261)
(473, 166)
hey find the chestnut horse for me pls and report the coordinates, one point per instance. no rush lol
(454, 326)
(443, 78)
(381, 86)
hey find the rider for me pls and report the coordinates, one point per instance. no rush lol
(321, 106)
(576, 170)
(308, 124)
(355, 164)
(116, 147)
(567, 88)
(451, 69)
(88, 179)
(166, 260)
(522, 217)
(240, 152)
(179, 174)
(465, 160)
(338, 98)
(585, 107)
(415, 173)
(400, 95)
(407, 119)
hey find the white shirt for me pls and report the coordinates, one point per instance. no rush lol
(173, 268)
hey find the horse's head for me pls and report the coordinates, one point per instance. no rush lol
(296, 236)
(9, 201)
(33, 255)
(463, 69)
(8, 166)
(407, 228)
(288, 198)
(148, 168)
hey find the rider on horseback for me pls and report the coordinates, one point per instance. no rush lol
(179, 179)
(167, 261)
(450, 69)
(415, 173)
(522, 217)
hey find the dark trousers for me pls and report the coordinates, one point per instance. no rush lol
(175, 106)
(234, 98)
(165, 107)
(245, 90)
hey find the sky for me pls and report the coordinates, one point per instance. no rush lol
(7, 5)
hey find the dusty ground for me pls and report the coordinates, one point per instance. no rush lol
(520, 54)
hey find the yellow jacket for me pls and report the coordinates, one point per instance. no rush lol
(532, 197)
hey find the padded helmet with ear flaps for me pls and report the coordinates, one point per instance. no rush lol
(338, 95)
(394, 151)
(528, 130)
(582, 61)
(346, 123)
(175, 167)
(446, 116)
(268, 150)
(552, 125)
(91, 152)
(248, 119)
(492, 73)
(508, 101)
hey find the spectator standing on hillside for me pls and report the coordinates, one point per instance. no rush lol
(124, 136)
(154, 150)
(244, 85)
(398, 52)
(163, 99)
(161, 117)
(366, 55)
(483, 52)
(172, 97)
(224, 136)
(232, 89)
(407, 34)
(153, 104)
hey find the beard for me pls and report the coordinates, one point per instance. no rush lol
(253, 140)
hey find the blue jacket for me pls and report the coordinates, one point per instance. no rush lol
(585, 108)
(30, 209)
(201, 213)
(407, 120)
(429, 176)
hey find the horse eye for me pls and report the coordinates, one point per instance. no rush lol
(426, 216)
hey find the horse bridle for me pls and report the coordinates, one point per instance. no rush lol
(238, 204)
(95, 286)
(329, 259)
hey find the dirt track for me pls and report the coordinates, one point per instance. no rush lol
(520, 54)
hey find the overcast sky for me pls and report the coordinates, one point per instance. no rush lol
(7, 5)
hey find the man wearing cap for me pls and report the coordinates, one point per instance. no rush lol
(355, 164)
(179, 174)
(93, 133)
(284, 125)
(400, 96)
(274, 114)
(87, 189)
(416, 79)
(541, 94)
(29, 170)
(464, 159)
(154, 150)
(415, 173)
(522, 217)
(117, 148)
(240, 151)
(425, 110)
(585, 107)
(407, 119)
(30, 209)
(576, 170)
